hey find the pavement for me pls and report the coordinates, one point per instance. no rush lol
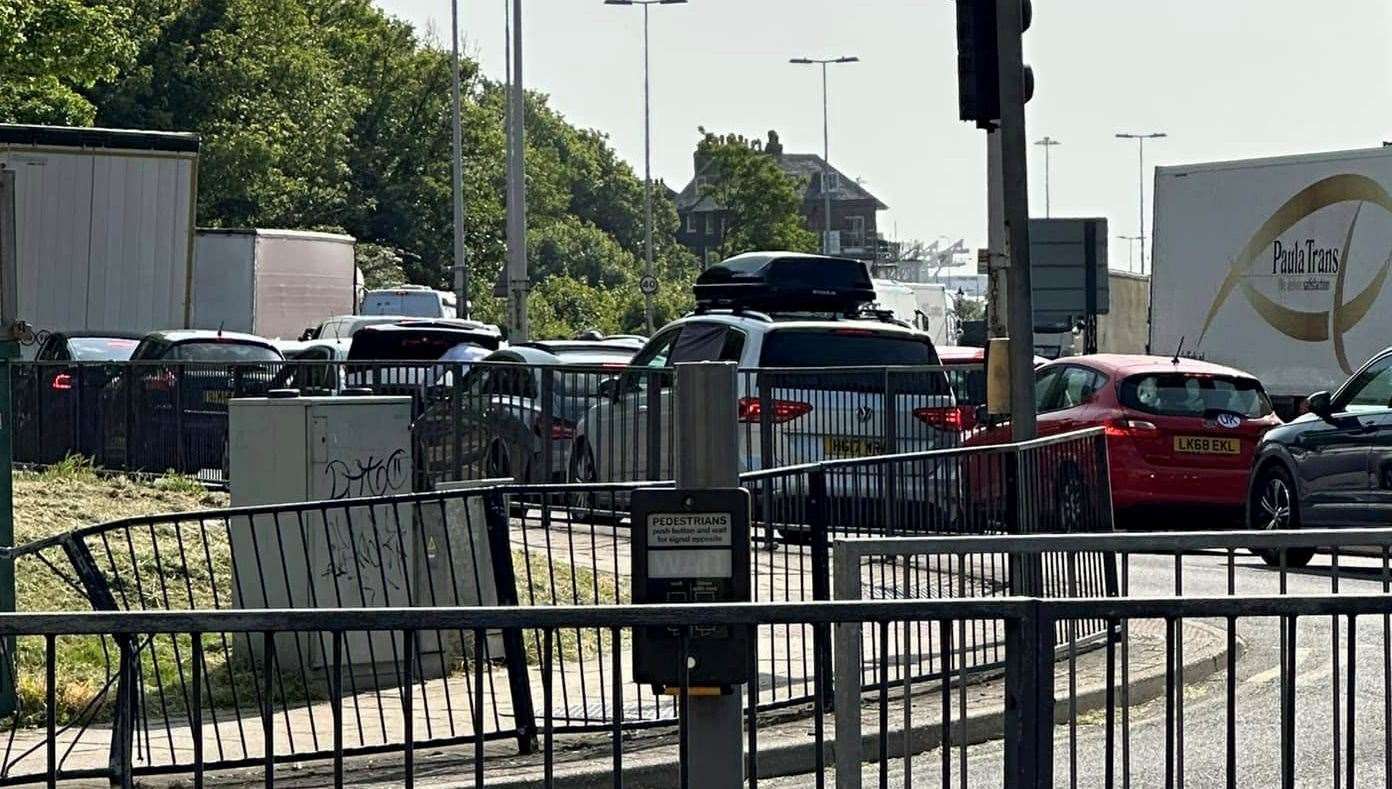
(787, 738)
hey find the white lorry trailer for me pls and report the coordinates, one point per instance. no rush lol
(1275, 266)
(273, 283)
(103, 227)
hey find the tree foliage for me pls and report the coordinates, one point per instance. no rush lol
(50, 50)
(761, 203)
(330, 114)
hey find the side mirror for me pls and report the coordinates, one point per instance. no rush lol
(1319, 404)
(609, 388)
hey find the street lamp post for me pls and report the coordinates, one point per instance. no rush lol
(647, 154)
(461, 270)
(1047, 143)
(1131, 250)
(826, 141)
(1140, 150)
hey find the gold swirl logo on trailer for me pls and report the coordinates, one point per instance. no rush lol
(1317, 325)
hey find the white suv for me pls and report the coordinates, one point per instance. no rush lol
(835, 389)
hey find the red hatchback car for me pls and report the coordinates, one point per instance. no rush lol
(1180, 432)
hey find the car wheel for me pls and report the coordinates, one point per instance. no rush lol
(1275, 506)
(585, 505)
(498, 464)
(1070, 503)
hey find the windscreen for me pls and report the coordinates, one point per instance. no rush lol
(1189, 394)
(853, 348)
(213, 351)
(101, 349)
(422, 304)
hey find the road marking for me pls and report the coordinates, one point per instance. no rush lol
(1273, 673)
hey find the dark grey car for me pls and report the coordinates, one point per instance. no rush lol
(521, 405)
(1331, 466)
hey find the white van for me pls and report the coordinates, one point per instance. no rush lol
(416, 301)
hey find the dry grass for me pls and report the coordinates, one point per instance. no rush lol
(68, 496)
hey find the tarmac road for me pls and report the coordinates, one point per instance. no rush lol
(1321, 672)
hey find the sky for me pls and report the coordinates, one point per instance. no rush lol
(1225, 79)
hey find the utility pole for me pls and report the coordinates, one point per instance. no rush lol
(1047, 143)
(1140, 180)
(461, 266)
(826, 141)
(517, 283)
(649, 279)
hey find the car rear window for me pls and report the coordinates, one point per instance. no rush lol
(1190, 394)
(223, 351)
(101, 349)
(853, 348)
(423, 346)
(420, 304)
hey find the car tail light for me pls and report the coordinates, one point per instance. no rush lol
(956, 417)
(1129, 428)
(62, 382)
(751, 409)
(561, 430)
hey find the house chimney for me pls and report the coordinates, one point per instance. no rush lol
(774, 147)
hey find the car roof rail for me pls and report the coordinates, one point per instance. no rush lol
(702, 309)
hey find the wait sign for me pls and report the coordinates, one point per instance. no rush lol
(691, 546)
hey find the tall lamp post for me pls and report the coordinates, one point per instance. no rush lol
(1140, 150)
(649, 281)
(461, 266)
(826, 142)
(1047, 143)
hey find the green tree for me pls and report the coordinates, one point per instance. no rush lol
(761, 203)
(51, 50)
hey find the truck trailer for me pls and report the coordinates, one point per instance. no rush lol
(272, 283)
(1275, 266)
(103, 227)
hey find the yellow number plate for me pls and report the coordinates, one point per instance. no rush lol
(838, 447)
(216, 396)
(1207, 445)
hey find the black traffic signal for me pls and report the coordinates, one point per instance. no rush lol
(978, 60)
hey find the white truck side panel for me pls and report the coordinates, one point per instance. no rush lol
(223, 281)
(301, 279)
(1275, 266)
(103, 237)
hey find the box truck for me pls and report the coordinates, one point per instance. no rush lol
(1275, 266)
(103, 227)
(273, 283)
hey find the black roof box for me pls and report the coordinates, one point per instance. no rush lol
(785, 282)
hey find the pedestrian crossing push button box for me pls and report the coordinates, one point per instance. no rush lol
(691, 546)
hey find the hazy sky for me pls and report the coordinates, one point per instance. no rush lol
(1226, 79)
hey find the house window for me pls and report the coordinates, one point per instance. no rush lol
(832, 181)
(857, 230)
(710, 224)
(691, 223)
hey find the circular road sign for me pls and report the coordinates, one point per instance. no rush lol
(648, 284)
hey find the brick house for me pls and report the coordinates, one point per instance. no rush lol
(853, 208)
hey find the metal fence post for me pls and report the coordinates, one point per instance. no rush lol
(849, 659)
(99, 595)
(548, 400)
(179, 371)
(821, 580)
(654, 423)
(127, 461)
(514, 652)
(456, 428)
(1029, 699)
